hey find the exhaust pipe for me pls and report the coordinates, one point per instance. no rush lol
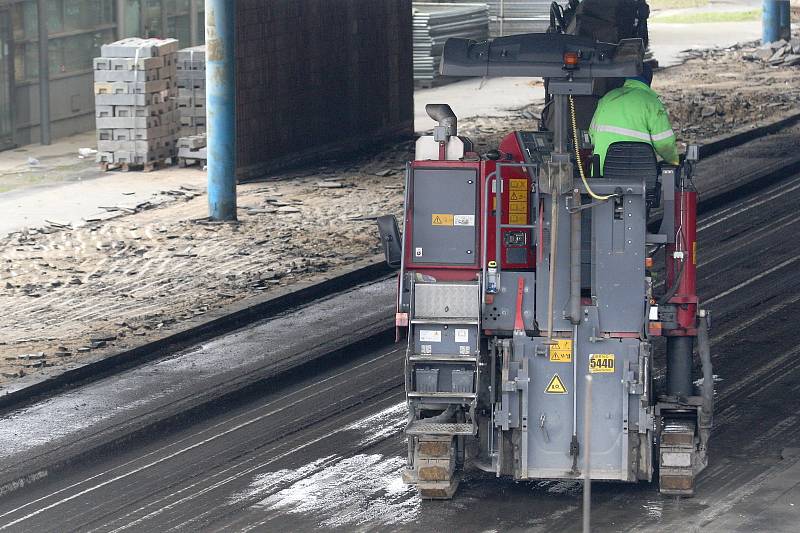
(443, 114)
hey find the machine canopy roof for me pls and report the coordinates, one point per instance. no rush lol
(541, 55)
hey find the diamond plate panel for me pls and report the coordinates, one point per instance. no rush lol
(423, 428)
(446, 300)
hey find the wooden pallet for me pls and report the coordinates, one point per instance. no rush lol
(184, 162)
(129, 167)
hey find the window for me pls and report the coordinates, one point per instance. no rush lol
(77, 29)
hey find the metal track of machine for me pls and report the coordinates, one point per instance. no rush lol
(520, 274)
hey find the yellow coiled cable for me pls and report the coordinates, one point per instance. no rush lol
(576, 140)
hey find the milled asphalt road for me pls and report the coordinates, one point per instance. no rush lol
(325, 450)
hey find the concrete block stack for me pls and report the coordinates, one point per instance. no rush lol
(191, 83)
(136, 103)
(192, 150)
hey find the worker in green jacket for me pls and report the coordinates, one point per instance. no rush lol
(633, 113)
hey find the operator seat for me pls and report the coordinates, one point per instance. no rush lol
(627, 160)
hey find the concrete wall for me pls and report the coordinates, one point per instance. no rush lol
(71, 108)
(319, 76)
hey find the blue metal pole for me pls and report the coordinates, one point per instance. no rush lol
(771, 21)
(221, 108)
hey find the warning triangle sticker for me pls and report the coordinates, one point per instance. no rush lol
(556, 386)
(437, 221)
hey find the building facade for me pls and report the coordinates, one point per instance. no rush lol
(76, 29)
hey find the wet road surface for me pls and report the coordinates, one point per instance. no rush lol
(325, 451)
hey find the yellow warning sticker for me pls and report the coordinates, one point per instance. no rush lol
(561, 352)
(601, 363)
(441, 220)
(518, 184)
(518, 207)
(518, 218)
(556, 386)
(518, 196)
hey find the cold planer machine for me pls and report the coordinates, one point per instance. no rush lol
(520, 274)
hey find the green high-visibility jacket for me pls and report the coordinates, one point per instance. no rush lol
(633, 113)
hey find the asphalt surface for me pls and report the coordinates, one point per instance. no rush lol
(69, 424)
(325, 450)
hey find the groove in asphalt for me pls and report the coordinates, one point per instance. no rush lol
(333, 459)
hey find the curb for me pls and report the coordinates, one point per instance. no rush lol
(215, 323)
(740, 137)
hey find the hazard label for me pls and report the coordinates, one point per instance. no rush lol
(601, 363)
(463, 220)
(518, 196)
(561, 352)
(518, 207)
(556, 386)
(518, 219)
(441, 220)
(518, 184)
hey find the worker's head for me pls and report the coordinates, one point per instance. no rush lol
(646, 76)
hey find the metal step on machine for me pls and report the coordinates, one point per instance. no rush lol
(520, 273)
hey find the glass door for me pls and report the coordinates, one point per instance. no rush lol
(6, 81)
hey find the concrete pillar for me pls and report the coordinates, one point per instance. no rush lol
(221, 108)
(44, 72)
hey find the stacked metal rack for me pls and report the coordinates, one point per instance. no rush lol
(434, 24)
(135, 91)
(511, 17)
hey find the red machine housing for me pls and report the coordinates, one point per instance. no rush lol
(517, 209)
(683, 272)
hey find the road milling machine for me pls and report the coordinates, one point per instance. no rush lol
(523, 270)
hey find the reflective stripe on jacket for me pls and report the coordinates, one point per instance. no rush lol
(633, 113)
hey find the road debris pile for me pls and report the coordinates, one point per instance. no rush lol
(779, 53)
(719, 90)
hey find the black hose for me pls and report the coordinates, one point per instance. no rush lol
(672, 290)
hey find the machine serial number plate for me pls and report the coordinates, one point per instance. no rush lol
(601, 363)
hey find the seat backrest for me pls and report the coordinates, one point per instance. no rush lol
(631, 160)
(626, 160)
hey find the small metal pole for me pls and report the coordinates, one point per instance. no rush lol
(194, 38)
(44, 72)
(502, 16)
(120, 6)
(164, 22)
(221, 108)
(587, 454)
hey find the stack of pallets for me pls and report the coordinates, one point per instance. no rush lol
(135, 104)
(191, 82)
